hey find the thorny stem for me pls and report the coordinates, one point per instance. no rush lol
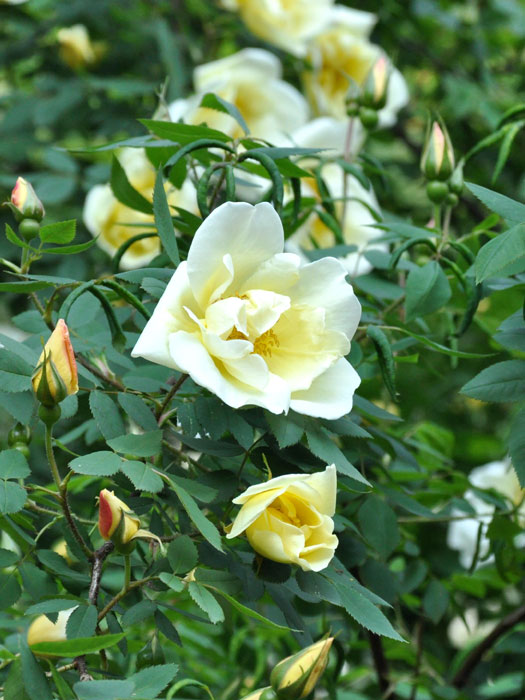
(475, 656)
(171, 393)
(127, 571)
(62, 492)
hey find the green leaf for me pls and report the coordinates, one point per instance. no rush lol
(106, 415)
(139, 612)
(386, 358)
(143, 445)
(109, 690)
(206, 602)
(163, 220)
(53, 605)
(183, 133)
(103, 463)
(365, 612)
(35, 680)
(138, 410)
(503, 381)
(14, 686)
(59, 566)
(61, 232)
(427, 290)
(10, 590)
(244, 610)
(7, 558)
(165, 626)
(63, 688)
(149, 682)
(174, 582)
(505, 148)
(497, 254)
(82, 622)
(435, 600)
(379, 525)
(517, 446)
(288, 430)
(205, 527)
(322, 446)
(22, 287)
(11, 236)
(142, 476)
(125, 192)
(76, 647)
(12, 497)
(182, 555)
(212, 101)
(215, 448)
(13, 465)
(502, 205)
(70, 249)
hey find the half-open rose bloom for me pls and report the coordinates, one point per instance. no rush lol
(462, 534)
(114, 223)
(288, 519)
(251, 80)
(341, 52)
(288, 24)
(255, 325)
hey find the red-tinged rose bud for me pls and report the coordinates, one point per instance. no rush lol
(24, 202)
(376, 84)
(437, 161)
(296, 676)
(55, 376)
(118, 523)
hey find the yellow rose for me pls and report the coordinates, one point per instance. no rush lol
(289, 519)
(251, 80)
(343, 52)
(288, 24)
(75, 46)
(43, 630)
(254, 325)
(114, 223)
(55, 376)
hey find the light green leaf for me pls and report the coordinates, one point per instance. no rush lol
(206, 602)
(61, 232)
(142, 476)
(76, 647)
(503, 381)
(149, 682)
(143, 445)
(109, 690)
(82, 622)
(12, 497)
(504, 206)
(103, 463)
(13, 465)
(427, 290)
(496, 255)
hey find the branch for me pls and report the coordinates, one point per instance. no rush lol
(136, 584)
(476, 655)
(381, 666)
(171, 393)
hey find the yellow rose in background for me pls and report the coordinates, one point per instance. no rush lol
(251, 80)
(288, 24)
(343, 52)
(114, 223)
(76, 48)
(289, 519)
(254, 325)
(43, 630)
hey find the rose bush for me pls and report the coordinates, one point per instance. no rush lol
(253, 324)
(289, 519)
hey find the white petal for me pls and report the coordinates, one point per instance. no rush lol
(277, 274)
(329, 133)
(258, 61)
(359, 22)
(323, 284)
(331, 394)
(397, 97)
(249, 234)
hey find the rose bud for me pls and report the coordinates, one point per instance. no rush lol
(261, 694)
(376, 84)
(296, 676)
(437, 161)
(24, 202)
(118, 523)
(55, 376)
(43, 630)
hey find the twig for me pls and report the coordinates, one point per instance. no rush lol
(80, 665)
(171, 393)
(98, 373)
(475, 656)
(381, 666)
(419, 655)
(136, 584)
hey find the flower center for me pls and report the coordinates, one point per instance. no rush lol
(265, 343)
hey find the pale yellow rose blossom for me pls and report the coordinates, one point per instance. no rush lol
(43, 630)
(75, 46)
(254, 325)
(288, 24)
(288, 519)
(343, 53)
(251, 80)
(114, 223)
(463, 534)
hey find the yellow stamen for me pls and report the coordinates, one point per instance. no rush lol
(265, 343)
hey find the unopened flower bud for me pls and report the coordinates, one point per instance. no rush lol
(376, 84)
(437, 161)
(368, 117)
(118, 523)
(353, 99)
(43, 630)
(261, 694)
(55, 376)
(20, 433)
(456, 181)
(24, 202)
(437, 191)
(296, 676)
